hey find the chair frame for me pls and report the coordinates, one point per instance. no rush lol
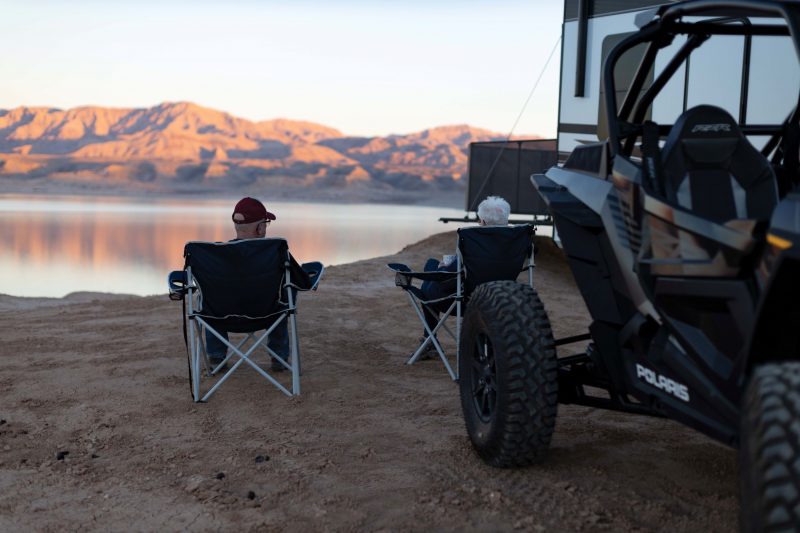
(198, 354)
(458, 304)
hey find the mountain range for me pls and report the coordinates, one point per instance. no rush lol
(185, 146)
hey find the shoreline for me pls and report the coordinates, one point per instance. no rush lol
(451, 199)
(84, 296)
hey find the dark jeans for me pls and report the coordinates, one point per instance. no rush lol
(278, 342)
(432, 290)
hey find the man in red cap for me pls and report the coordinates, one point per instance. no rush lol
(250, 220)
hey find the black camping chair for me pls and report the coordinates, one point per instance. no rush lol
(483, 254)
(245, 286)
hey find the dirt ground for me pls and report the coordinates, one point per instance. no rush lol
(98, 431)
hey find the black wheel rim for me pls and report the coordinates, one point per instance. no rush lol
(484, 378)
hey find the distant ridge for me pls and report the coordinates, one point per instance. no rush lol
(193, 146)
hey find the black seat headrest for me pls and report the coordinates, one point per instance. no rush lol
(707, 133)
(710, 167)
(705, 122)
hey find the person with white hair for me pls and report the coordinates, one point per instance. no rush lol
(492, 211)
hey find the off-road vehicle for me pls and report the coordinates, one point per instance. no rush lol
(684, 240)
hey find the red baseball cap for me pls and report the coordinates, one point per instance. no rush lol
(250, 210)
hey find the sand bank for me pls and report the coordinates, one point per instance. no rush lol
(100, 382)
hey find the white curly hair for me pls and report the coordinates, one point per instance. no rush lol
(494, 211)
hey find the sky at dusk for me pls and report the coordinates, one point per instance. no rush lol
(364, 67)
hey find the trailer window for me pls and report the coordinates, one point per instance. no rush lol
(623, 76)
(774, 80)
(715, 74)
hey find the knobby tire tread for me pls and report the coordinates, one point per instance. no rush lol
(527, 394)
(769, 454)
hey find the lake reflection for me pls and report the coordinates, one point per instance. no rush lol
(54, 246)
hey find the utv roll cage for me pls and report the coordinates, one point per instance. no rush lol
(658, 28)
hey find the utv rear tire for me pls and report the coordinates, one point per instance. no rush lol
(508, 374)
(769, 455)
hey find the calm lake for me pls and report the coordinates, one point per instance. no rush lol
(54, 246)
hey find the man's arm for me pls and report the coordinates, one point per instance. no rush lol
(300, 277)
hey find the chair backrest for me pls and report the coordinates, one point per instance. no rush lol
(239, 278)
(493, 253)
(711, 168)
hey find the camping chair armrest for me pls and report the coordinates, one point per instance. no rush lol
(404, 275)
(315, 270)
(177, 282)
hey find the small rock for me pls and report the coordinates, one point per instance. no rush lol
(251, 495)
(61, 455)
(6, 448)
(3, 421)
(95, 456)
(262, 458)
(220, 475)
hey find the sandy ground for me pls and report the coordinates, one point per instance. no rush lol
(101, 382)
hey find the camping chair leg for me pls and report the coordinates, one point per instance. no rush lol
(245, 358)
(431, 334)
(191, 341)
(439, 349)
(222, 380)
(295, 351)
(195, 360)
(418, 352)
(271, 355)
(294, 346)
(211, 371)
(432, 338)
(413, 358)
(201, 340)
(214, 370)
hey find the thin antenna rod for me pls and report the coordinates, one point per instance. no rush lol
(511, 132)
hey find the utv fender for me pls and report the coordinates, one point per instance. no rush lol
(776, 336)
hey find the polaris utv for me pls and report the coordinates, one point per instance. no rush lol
(684, 241)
